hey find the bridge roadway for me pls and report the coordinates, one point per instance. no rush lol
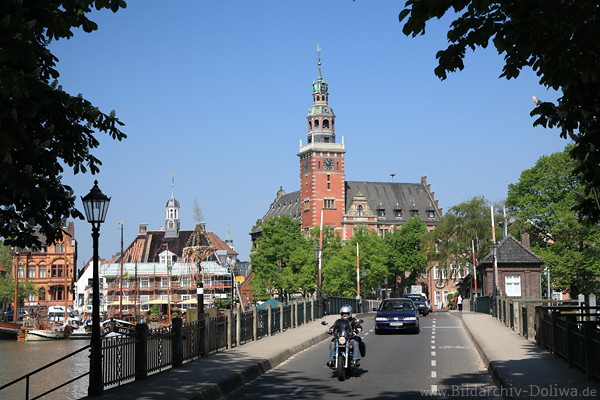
(441, 362)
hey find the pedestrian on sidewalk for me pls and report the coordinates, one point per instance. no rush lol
(459, 300)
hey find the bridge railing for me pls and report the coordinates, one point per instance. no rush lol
(126, 359)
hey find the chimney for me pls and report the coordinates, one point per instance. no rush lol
(525, 240)
(143, 229)
(71, 229)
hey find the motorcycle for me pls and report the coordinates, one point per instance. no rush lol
(343, 360)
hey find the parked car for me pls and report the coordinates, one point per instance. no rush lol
(57, 313)
(9, 315)
(419, 303)
(397, 314)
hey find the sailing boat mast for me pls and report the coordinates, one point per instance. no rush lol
(16, 294)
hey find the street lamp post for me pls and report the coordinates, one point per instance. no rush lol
(95, 205)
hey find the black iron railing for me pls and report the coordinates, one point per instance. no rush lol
(571, 333)
(147, 352)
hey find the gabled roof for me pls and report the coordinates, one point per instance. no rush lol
(147, 247)
(511, 251)
(219, 244)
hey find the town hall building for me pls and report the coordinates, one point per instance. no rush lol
(325, 196)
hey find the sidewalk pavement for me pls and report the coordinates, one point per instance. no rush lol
(518, 366)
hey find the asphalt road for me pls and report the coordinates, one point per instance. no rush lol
(439, 363)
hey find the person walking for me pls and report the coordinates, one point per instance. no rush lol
(459, 302)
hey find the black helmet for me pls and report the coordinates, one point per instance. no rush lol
(346, 311)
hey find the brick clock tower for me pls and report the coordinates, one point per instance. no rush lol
(322, 178)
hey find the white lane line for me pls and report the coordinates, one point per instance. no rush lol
(433, 354)
(433, 363)
(432, 347)
(297, 390)
(434, 389)
(433, 374)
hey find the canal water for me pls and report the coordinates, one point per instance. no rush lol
(20, 358)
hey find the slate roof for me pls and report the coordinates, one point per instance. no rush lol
(380, 195)
(286, 204)
(391, 196)
(511, 251)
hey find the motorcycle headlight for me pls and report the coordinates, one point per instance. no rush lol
(381, 319)
(342, 340)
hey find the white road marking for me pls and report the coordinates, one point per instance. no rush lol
(433, 363)
(297, 390)
(433, 354)
(432, 347)
(433, 388)
(433, 374)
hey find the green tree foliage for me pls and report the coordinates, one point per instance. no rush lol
(7, 289)
(405, 251)
(43, 128)
(5, 256)
(546, 197)
(550, 37)
(340, 272)
(282, 255)
(465, 224)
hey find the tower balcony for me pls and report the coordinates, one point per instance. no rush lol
(321, 146)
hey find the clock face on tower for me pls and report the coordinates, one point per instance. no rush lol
(328, 163)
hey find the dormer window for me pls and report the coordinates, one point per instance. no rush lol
(380, 212)
(398, 213)
(430, 214)
(414, 213)
(359, 211)
(166, 257)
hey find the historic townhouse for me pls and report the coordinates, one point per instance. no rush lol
(50, 268)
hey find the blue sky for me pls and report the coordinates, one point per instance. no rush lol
(217, 93)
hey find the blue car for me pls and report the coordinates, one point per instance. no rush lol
(395, 315)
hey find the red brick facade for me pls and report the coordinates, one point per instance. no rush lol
(51, 269)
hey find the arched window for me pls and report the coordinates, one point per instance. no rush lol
(359, 211)
(309, 125)
(31, 271)
(326, 123)
(316, 124)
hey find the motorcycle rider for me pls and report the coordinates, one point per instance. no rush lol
(346, 313)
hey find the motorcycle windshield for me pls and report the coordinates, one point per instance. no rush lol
(342, 327)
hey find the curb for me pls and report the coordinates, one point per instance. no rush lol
(216, 390)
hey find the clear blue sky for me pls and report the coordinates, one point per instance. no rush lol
(217, 94)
